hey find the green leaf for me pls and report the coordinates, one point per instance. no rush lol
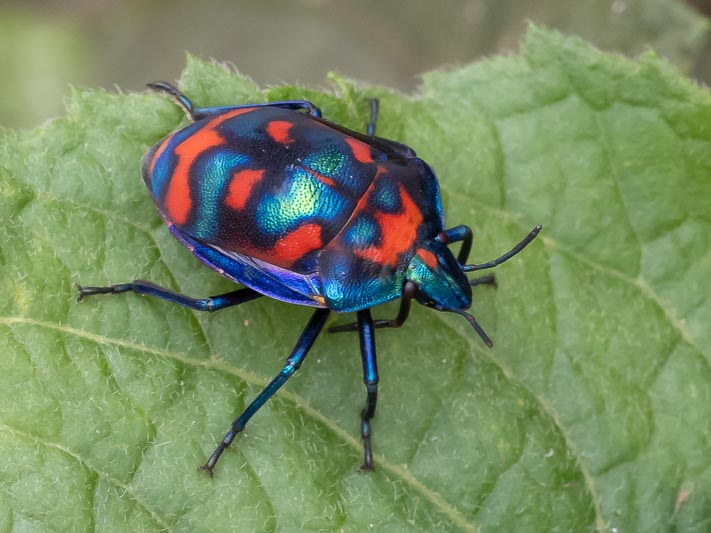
(593, 410)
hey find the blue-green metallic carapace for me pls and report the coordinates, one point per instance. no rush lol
(295, 207)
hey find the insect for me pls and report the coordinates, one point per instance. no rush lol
(303, 210)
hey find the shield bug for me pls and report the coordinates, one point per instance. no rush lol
(303, 210)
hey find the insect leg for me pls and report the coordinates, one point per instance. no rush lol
(313, 328)
(370, 378)
(489, 279)
(374, 108)
(408, 293)
(213, 303)
(197, 113)
(310, 108)
(180, 99)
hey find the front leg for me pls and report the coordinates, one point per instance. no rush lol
(408, 293)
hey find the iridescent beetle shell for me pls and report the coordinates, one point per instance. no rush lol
(296, 207)
(306, 211)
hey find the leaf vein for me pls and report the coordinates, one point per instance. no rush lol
(546, 410)
(127, 488)
(218, 364)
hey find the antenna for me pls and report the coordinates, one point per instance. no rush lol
(476, 327)
(508, 255)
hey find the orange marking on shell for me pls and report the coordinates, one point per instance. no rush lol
(323, 179)
(177, 200)
(361, 151)
(428, 257)
(279, 131)
(241, 187)
(399, 231)
(297, 243)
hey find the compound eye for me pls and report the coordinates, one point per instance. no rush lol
(442, 237)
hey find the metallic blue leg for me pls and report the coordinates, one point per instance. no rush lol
(213, 303)
(197, 113)
(312, 330)
(374, 107)
(311, 109)
(370, 378)
(408, 293)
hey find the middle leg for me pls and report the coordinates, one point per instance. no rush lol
(307, 339)
(370, 378)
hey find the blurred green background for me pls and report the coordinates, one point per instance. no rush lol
(47, 45)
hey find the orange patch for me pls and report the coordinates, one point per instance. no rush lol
(428, 257)
(279, 131)
(399, 231)
(241, 187)
(323, 179)
(177, 200)
(297, 243)
(361, 151)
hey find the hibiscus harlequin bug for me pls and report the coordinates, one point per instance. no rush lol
(295, 207)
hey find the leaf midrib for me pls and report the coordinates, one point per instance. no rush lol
(544, 407)
(550, 243)
(215, 363)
